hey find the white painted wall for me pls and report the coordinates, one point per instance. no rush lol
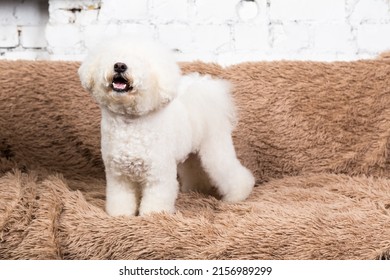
(224, 31)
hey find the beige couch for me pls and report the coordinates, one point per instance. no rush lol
(316, 136)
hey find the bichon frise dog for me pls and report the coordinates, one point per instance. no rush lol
(156, 121)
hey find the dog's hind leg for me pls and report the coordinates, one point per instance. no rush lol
(218, 157)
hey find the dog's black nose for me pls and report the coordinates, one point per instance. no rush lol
(120, 67)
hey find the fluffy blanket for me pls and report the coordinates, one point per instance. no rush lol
(316, 136)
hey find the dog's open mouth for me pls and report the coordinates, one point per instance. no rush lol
(120, 84)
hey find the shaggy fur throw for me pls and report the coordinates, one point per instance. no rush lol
(315, 135)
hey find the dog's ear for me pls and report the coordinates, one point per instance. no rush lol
(86, 73)
(167, 92)
(167, 77)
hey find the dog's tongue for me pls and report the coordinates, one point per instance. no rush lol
(119, 86)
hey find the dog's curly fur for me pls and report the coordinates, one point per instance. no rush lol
(155, 120)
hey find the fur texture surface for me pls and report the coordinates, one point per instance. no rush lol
(153, 119)
(315, 135)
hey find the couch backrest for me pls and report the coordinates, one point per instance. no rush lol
(295, 117)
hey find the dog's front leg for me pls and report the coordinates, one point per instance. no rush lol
(160, 192)
(121, 195)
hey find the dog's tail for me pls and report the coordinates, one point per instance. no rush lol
(208, 99)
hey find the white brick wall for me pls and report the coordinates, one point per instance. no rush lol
(224, 31)
(302, 10)
(9, 36)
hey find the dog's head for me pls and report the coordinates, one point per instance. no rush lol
(129, 76)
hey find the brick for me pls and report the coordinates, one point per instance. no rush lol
(303, 55)
(313, 55)
(32, 12)
(289, 37)
(26, 55)
(87, 16)
(370, 10)
(371, 37)
(93, 33)
(176, 36)
(334, 37)
(216, 11)
(7, 16)
(251, 10)
(307, 10)
(63, 36)
(79, 12)
(66, 11)
(231, 58)
(205, 56)
(61, 16)
(212, 37)
(169, 10)
(97, 32)
(66, 56)
(33, 36)
(251, 37)
(9, 37)
(72, 4)
(123, 10)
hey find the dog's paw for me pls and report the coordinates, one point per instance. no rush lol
(120, 212)
(115, 209)
(146, 209)
(242, 186)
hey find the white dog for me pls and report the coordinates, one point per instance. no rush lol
(154, 119)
